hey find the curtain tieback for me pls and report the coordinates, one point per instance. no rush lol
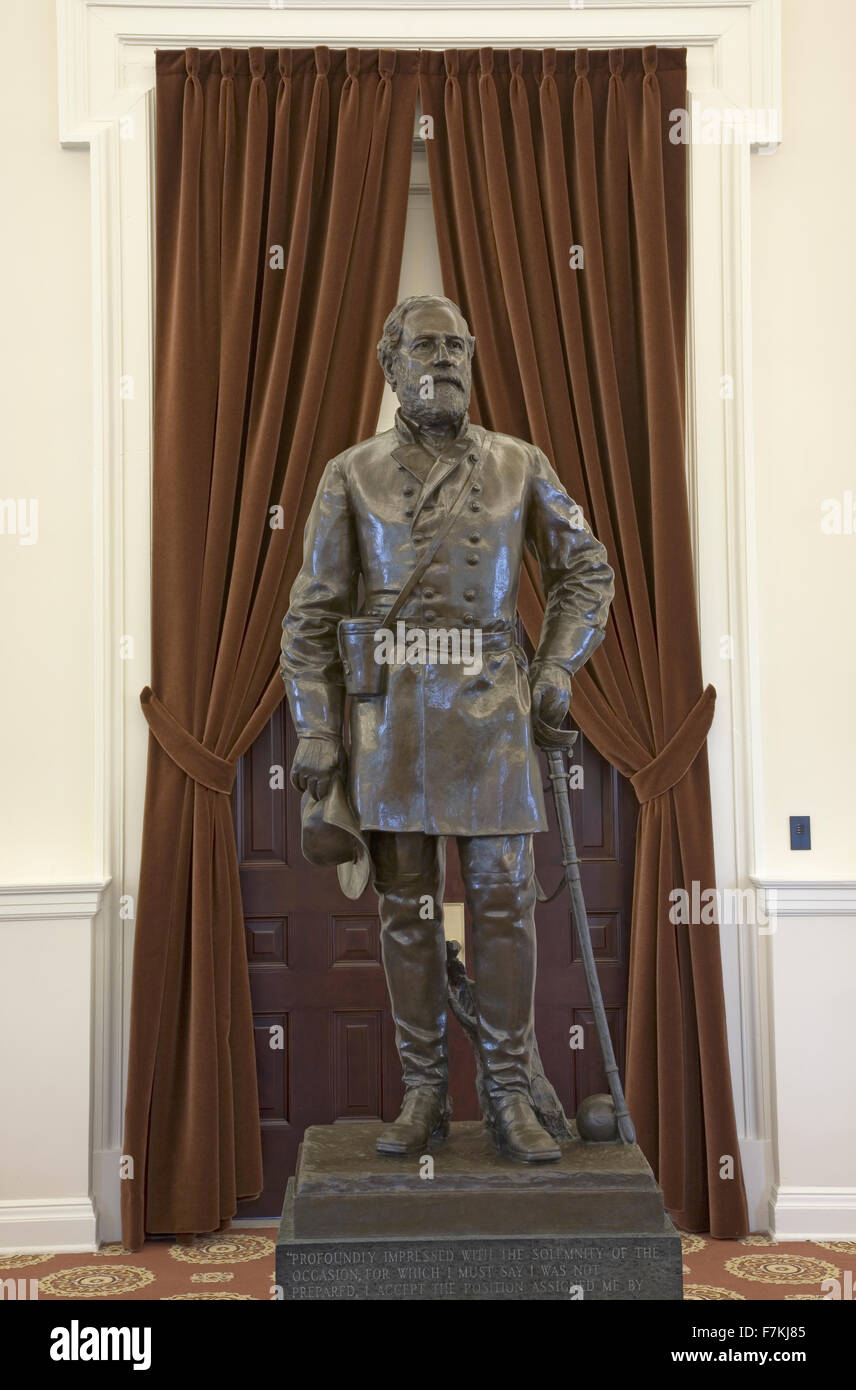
(186, 752)
(679, 754)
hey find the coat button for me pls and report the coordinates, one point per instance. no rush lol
(475, 506)
(430, 615)
(475, 538)
(476, 487)
(469, 595)
(409, 511)
(469, 619)
(473, 458)
(409, 491)
(427, 593)
(472, 559)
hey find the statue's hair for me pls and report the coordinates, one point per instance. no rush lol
(394, 327)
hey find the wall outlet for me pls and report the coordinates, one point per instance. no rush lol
(800, 832)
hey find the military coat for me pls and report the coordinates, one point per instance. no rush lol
(447, 750)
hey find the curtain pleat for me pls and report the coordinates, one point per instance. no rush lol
(534, 154)
(282, 183)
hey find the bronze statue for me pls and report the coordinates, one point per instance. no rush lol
(433, 517)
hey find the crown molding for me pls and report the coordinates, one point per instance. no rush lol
(106, 49)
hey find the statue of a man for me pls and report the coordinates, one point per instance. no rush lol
(447, 748)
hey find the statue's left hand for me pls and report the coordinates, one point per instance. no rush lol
(551, 694)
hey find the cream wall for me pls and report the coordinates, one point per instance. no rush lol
(47, 734)
(47, 726)
(804, 310)
(804, 324)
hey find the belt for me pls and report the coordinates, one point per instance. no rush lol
(496, 641)
(501, 640)
(490, 641)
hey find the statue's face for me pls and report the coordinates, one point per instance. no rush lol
(432, 370)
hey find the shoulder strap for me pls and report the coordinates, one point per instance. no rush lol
(433, 545)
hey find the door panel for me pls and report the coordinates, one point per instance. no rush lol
(325, 1041)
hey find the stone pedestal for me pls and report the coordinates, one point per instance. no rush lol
(462, 1222)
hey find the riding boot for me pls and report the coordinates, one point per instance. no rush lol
(409, 880)
(499, 876)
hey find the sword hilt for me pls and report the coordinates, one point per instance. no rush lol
(550, 739)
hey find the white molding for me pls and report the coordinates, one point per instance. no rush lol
(756, 1161)
(106, 48)
(107, 1192)
(721, 488)
(106, 71)
(50, 901)
(813, 1213)
(55, 1226)
(793, 897)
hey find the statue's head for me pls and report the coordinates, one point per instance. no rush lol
(426, 353)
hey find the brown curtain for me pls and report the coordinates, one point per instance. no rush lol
(282, 184)
(531, 155)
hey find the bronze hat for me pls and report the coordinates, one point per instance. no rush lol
(330, 834)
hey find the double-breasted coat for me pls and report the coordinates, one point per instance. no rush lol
(447, 749)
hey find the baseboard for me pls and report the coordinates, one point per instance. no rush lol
(813, 1213)
(62, 1226)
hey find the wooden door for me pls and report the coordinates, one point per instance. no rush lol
(325, 1043)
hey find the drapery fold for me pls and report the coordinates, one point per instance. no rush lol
(282, 183)
(560, 209)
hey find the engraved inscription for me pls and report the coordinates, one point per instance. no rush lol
(531, 1270)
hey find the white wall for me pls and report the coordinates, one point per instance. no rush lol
(45, 1008)
(813, 966)
(804, 324)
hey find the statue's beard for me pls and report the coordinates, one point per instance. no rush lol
(447, 406)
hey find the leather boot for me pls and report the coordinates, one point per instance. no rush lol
(424, 1117)
(517, 1133)
(408, 868)
(499, 879)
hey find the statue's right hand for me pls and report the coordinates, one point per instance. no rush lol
(314, 763)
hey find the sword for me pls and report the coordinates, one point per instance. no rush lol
(555, 742)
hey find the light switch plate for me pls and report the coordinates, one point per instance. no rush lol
(800, 832)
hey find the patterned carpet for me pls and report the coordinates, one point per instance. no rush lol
(239, 1264)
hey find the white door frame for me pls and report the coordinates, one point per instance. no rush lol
(106, 102)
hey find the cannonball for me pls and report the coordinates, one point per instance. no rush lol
(596, 1120)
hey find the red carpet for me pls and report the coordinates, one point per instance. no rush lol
(239, 1264)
